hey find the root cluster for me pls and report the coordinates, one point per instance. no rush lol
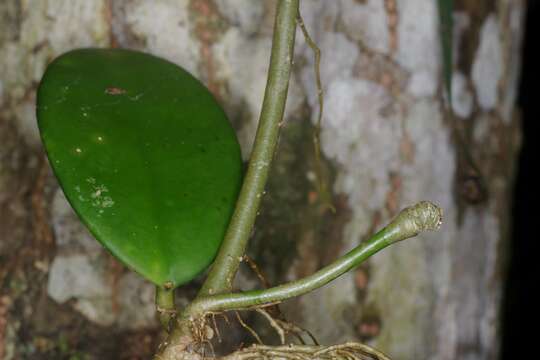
(346, 351)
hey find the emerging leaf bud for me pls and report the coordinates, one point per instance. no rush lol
(415, 219)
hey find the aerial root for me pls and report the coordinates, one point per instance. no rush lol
(216, 329)
(349, 351)
(274, 324)
(324, 193)
(248, 328)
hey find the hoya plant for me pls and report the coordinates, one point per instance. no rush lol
(149, 162)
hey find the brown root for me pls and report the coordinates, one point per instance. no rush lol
(349, 351)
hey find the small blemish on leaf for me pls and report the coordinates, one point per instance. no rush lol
(107, 202)
(114, 91)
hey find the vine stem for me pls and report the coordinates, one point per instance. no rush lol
(408, 223)
(225, 266)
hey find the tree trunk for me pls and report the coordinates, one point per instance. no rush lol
(387, 142)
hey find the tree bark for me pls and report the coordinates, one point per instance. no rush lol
(387, 142)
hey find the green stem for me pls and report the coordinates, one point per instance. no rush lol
(165, 305)
(234, 244)
(409, 222)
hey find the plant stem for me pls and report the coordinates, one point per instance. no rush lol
(234, 244)
(165, 305)
(409, 222)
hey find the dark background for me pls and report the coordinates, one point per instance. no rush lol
(521, 329)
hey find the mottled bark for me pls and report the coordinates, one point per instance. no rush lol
(386, 144)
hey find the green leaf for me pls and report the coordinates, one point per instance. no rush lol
(145, 156)
(446, 29)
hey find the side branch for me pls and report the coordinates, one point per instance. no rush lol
(228, 259)
(409, 222)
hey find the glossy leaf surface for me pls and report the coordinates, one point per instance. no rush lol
(145, 156)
